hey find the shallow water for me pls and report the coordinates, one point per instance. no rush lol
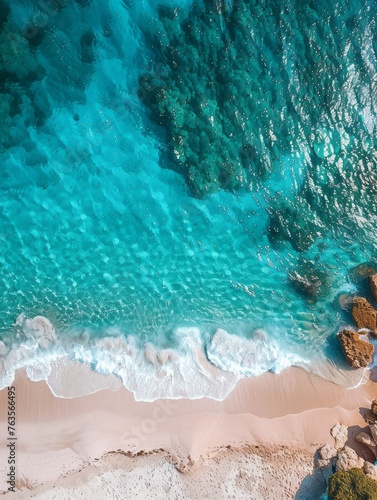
(134, 270)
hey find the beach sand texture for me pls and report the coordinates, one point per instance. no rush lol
(258, 443)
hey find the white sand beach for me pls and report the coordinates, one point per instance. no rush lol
(258, 443)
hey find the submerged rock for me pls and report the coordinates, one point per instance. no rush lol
(346, 301)
(363, 271)
(364, 314)
(310, 280)
(294, 222)
(373, 285)
(358, 353)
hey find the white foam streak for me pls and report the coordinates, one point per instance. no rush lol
(150, 373)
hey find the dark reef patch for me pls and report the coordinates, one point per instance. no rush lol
(240, 87)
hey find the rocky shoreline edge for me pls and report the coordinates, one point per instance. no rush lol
(356, 344)
(348, 473)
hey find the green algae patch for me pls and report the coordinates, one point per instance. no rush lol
(352, 485)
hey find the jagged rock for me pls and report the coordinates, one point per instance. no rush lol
(373, 431)
(340, 433)
(348, 459)
(374, 407)
(364, 438)
(373, 285)
(364, 314)
(370, 470)
(327, 452)
(370, 418)
(357, 352)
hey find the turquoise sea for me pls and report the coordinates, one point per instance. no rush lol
(186, 188)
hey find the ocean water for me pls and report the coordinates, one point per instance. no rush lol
(122, 253)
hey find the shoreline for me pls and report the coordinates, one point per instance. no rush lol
(294, 410)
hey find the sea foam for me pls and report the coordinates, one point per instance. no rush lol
(77, 365)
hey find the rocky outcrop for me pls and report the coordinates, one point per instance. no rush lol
(366, 439)
(354, 474)
(340, 434)
(373, 285)
(349, 459)
(358, 352)
(374, 407)
(327, 452)
(370, 470)
(370, 418)
(373, 431)
(364, 315)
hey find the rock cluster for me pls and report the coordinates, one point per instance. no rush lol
(359, 351)
(342, 457)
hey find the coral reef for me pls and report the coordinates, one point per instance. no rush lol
(18, 69)
(294, 222)
(219, 75)
(16, 59)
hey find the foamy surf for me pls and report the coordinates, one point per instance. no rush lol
(73, 367)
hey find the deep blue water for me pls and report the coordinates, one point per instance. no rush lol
(102, 234)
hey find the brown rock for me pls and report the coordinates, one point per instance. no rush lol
(370, 418)
(364, 438)
(374, 407)
(363, 271)
(373, 285)
(364, 314)
(373, 431)
(358, 353)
